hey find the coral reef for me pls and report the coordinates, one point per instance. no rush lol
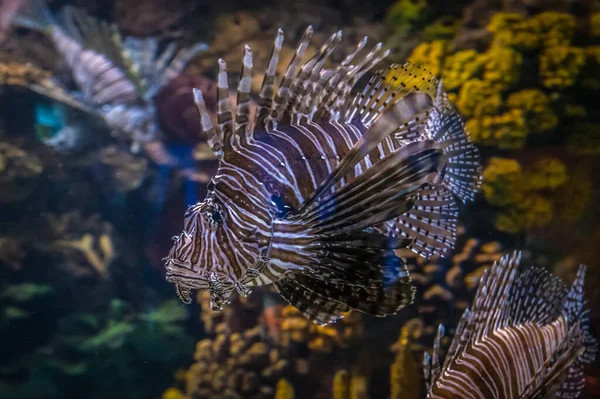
(406, 370)
(239, 363)
(445, 285)
(19, 172)
(296, 328)
(527, 197)
(85, 245)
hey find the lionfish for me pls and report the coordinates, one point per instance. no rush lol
(117, 79)
(526, 336)
(316, 194)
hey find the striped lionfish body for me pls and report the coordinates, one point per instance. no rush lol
(116, 79)
(526, 336)
(316, 194)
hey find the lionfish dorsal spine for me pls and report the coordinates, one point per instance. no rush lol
(283, 91)
(242, 115)
(224, 114)
(265, 99)
(213, 135)
(309, 73)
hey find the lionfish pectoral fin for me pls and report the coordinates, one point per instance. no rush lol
(183, 293)
(383, 192)
(316, 308)
(431, 222)
(402, 111)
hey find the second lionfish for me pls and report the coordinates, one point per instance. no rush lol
(316, 194)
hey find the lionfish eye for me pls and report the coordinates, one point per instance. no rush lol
(214, 216)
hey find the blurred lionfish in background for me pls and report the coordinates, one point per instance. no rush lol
(117, 79)
(316, 193)
(526, 336)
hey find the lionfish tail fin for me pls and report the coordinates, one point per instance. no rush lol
(35, 15)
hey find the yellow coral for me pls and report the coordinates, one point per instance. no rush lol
(539, 115)
(595, 24)
(559, 67)
(173, 393)
(556, 28)
(533, 212)
(460, 67)
(478, 97)
(506, 131)
(502, 66)
(512, 29)
(546, 173)
(501, 181)
(341, 385)
(405, 371)
(284, 390)
(358, 387)
(430, 55)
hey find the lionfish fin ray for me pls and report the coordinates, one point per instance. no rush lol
(431, 223)
(550, 376)
(224, 114)
(402, 111)
(463, 175)
(314, 307)
(242, 116)
(213, 135)
(265, 98)
(36, 15)
(382, 299)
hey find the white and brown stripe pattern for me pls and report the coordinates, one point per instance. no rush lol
(526, 336)
(316, 194)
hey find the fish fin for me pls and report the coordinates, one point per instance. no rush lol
(463, 175)
(376, 299)
(242, 115)
(406, 109)
(385, 87)
(548, 379)
(301, 90)
(224, 114)
(104, 38)
(431, 364)
(314, 307)
(460, 340)
(283, 91)
(35, 15)
(576, 312)
(213, 135)
(265, 99)
(161, 69)
(431, 223)
(384, 191)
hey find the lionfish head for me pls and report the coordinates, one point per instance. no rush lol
(202, 256)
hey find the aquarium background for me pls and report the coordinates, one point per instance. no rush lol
(85, 311)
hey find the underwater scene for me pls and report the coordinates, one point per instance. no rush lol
(325, 199)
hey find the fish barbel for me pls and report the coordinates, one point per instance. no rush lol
(316, 193)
